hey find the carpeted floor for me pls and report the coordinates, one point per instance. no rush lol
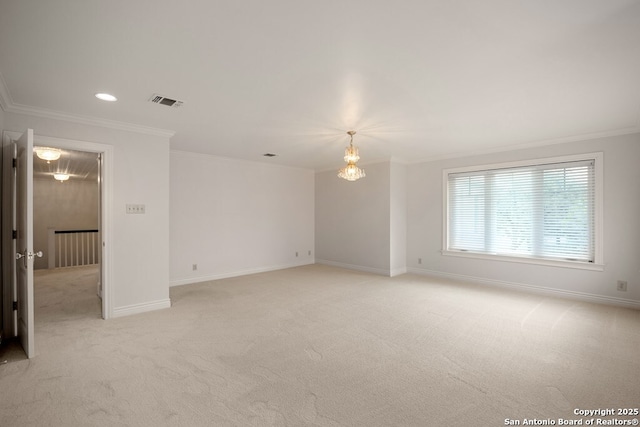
(321, 346)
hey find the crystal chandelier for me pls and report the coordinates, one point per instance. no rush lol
(351, 172)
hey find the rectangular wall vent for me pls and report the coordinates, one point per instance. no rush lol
(163, 100)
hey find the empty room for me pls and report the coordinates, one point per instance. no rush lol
(249, 213)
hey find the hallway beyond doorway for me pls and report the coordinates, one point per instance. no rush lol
(64, 294)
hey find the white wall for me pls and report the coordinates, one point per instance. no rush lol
(140, 264)
(398, 219)
(234, 217)
(353, 220)
(621, 225)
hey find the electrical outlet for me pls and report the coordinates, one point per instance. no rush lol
(194, 267)
(622, 285)
(419, 260)
(296, 253)
(309, 252)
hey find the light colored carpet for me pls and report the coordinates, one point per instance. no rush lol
(321, 346)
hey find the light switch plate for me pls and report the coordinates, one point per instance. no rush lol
(135, 209)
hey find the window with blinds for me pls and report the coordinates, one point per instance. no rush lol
(541, 211)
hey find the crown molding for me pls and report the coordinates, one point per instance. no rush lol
(7, 104)
(261, 163)
(90, 121)
(340, 163)
(584, 137)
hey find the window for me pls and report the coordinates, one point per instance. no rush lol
(544, 211)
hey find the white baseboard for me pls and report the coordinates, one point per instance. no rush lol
(141, 308)
(398, 271)
(540, 290)
(236, 273)
(379, 271)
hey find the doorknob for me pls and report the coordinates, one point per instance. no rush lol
(29, 255)
(26, 255)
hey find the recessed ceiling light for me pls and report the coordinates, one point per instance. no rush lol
(106, 97)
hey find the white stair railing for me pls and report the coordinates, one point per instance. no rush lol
(72, 248)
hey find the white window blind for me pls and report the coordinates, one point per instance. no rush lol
(542, 211)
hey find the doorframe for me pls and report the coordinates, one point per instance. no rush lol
(106, 202)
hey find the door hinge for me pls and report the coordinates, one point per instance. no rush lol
(15, 163)
(14, 234)
(15, 306)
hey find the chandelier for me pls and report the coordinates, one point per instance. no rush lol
(351, 172)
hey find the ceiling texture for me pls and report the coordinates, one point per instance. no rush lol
(78, 165)
(417, 79)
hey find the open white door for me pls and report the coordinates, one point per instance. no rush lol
(24, 241)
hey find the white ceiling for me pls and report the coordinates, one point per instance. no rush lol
(417, 79)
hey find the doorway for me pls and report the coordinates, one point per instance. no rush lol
(66, 228)
(105, 177)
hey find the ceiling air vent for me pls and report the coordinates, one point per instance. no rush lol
(163, 100)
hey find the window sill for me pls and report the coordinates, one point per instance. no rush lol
(536, 261)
